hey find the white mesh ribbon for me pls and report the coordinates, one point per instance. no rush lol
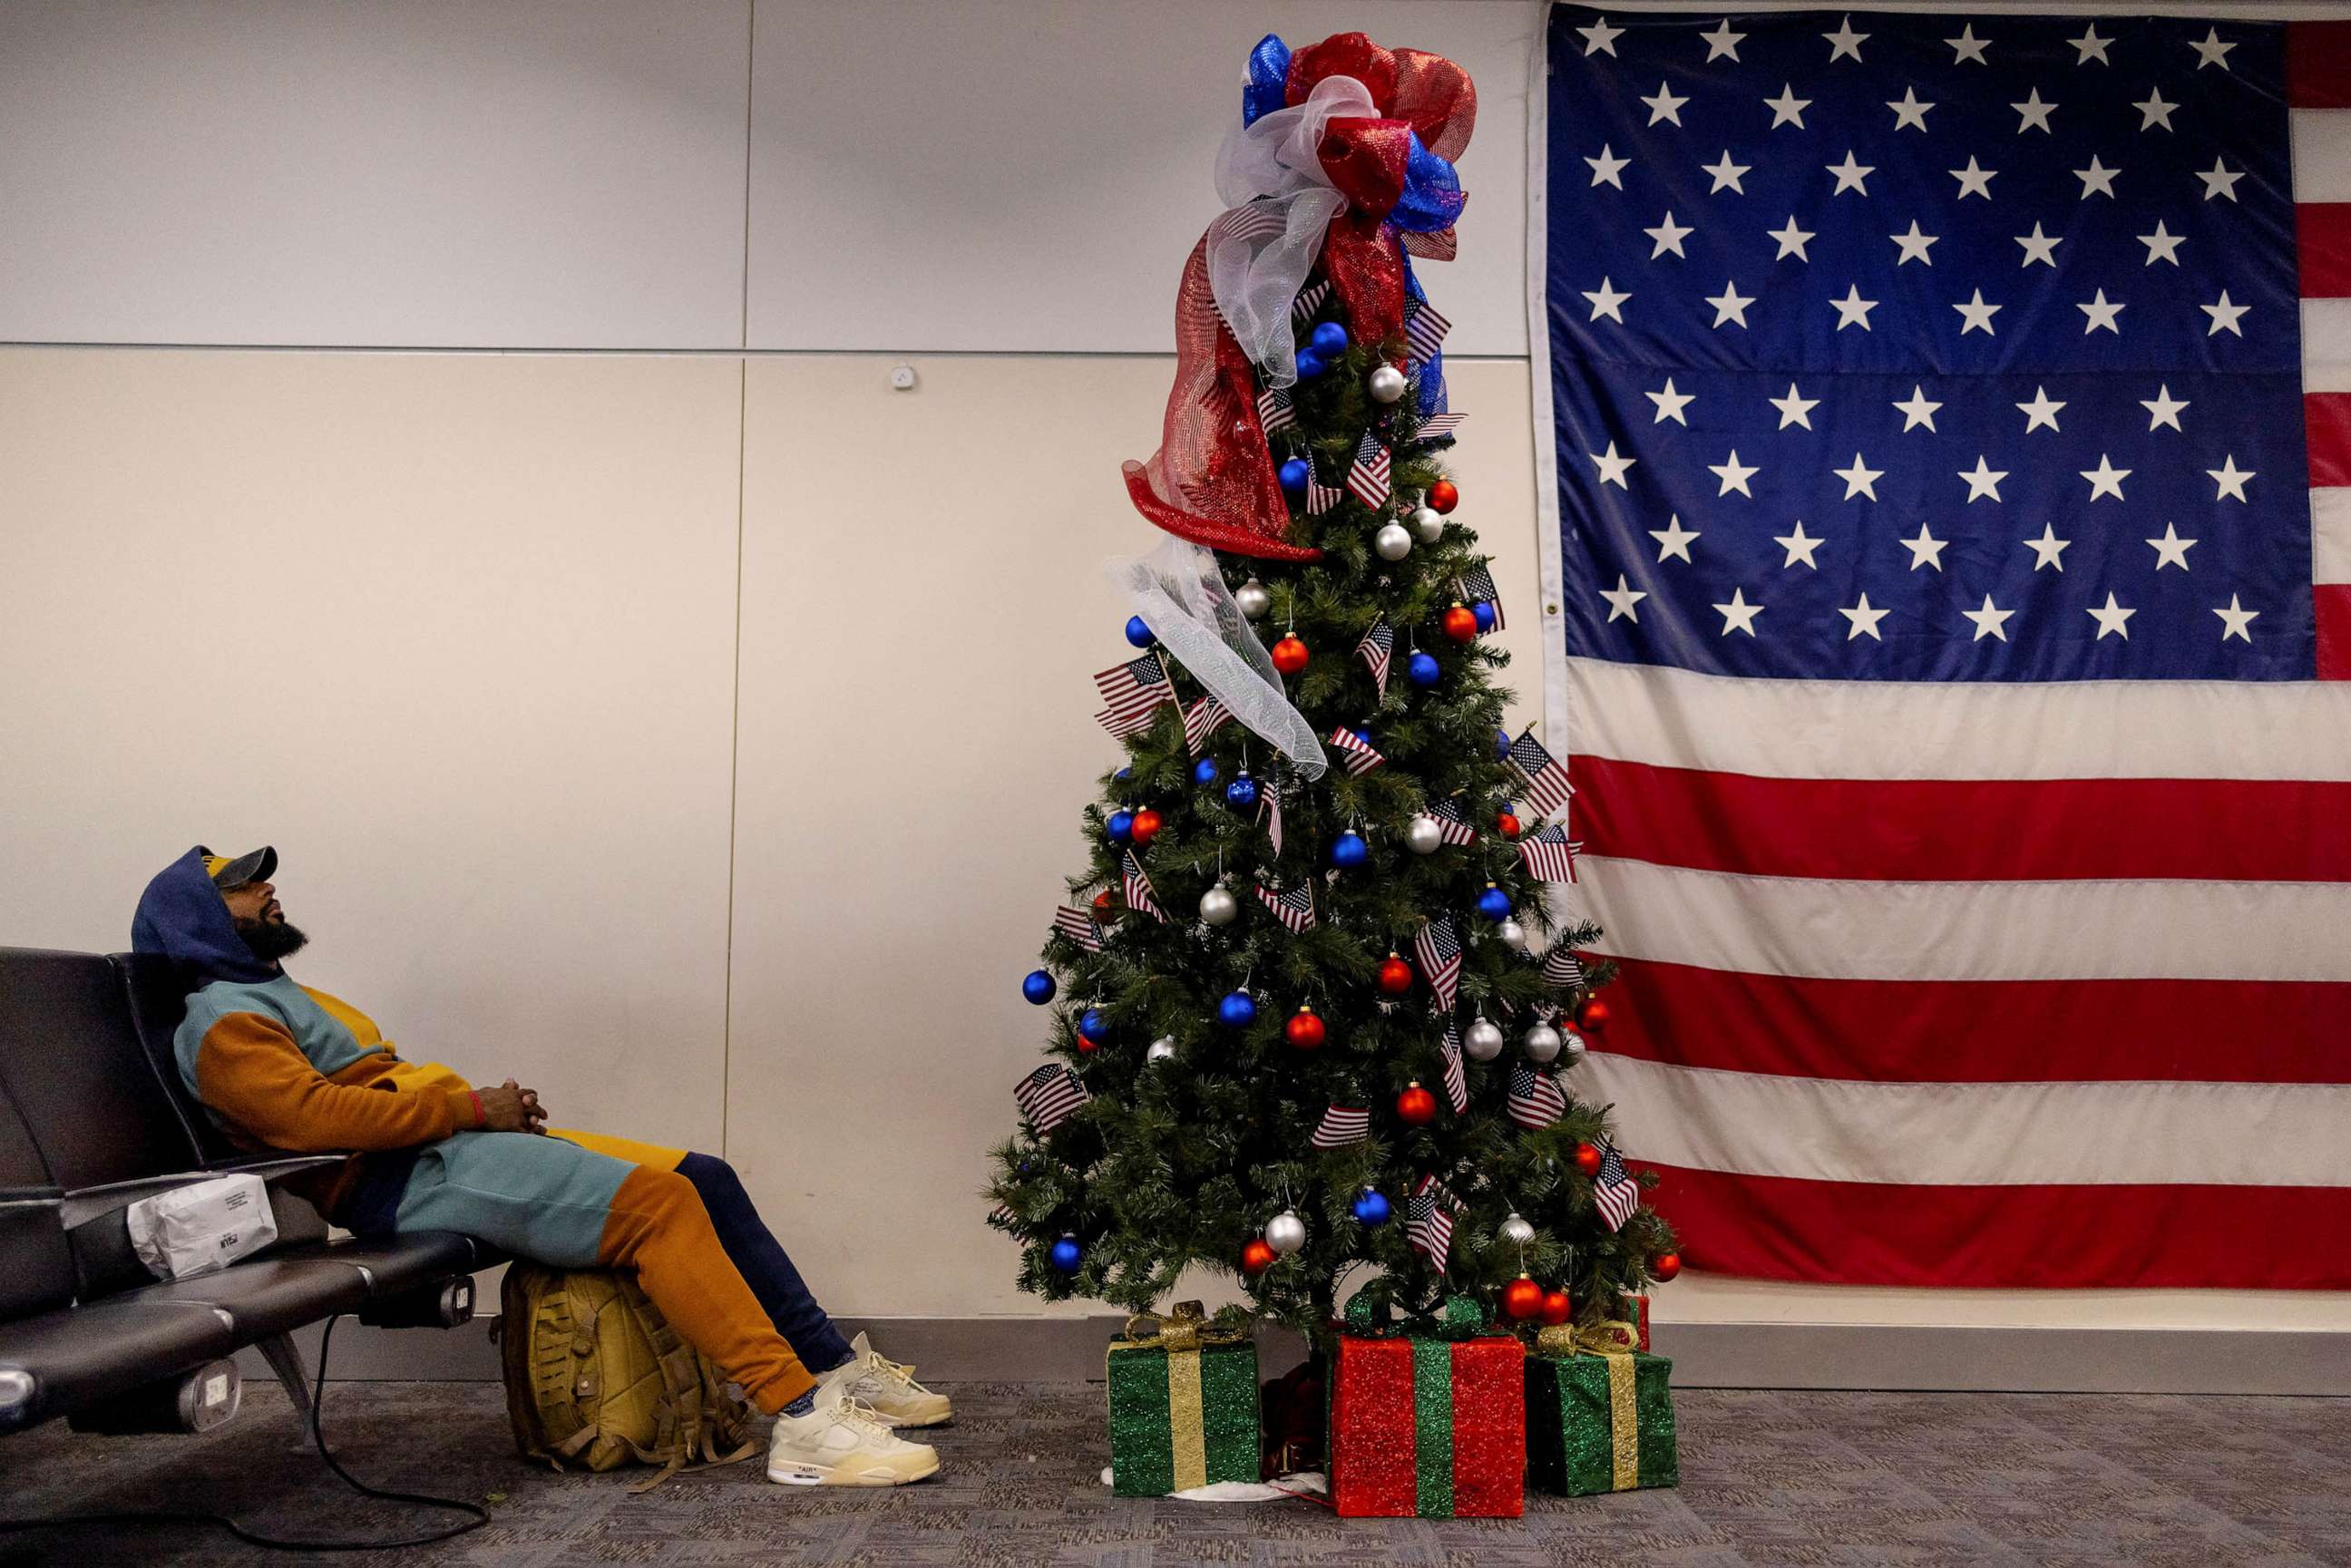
(1180, 594)
(1281, 203)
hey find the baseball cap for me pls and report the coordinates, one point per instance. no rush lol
(256, 865)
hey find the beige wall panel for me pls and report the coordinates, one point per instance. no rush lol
(1029, 174)
(494, 173)
(457, 633)
(923, 609)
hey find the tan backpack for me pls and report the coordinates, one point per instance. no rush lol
(596, 1377)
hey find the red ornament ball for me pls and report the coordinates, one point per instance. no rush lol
(1665, 1265)
(1556, 1307)
(1443, 496)
(1507, 824)
(1462, 623)
(1290, 655)
(1587, 1159)
(1417, 1107)
(1523, 1298)
(1147, 824)
(1105, 907)
(1257, 1257)
(1088, 1047)
(1303, 1030)
(1593, 1016)
(1395, 975)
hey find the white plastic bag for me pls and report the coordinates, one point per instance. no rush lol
(206, 1226)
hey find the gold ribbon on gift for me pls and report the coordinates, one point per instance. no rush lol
(1181, 1333)
(1617, 1342)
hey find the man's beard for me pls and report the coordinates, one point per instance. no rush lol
(272, 939)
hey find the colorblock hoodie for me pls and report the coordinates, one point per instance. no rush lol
(276, 1065)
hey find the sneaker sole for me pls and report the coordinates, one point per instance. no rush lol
(909, 1422)
(819, 1475)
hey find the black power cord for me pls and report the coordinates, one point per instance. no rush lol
(481, 1516)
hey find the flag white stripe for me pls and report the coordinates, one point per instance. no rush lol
(1991, 730)
(2322, 154)
(2326, 345)
(2330, 534)
(1998, 1135)
(1832, 929)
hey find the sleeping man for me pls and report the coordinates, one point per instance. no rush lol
(281, 1066)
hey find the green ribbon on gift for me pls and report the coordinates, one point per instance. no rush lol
(1369, 1315)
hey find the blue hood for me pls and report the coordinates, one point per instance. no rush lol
(181, 916)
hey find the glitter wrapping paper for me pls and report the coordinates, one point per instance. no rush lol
(1600, 1424)
(1427, 1426)
(1182, 1418)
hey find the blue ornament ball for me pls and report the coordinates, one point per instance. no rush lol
(1501, 745)
(1241, 793)
(1066, 1255)
(1348, 850)
(1484, 612)
(1295, 473)
(1423, 670)
(1363, 735)
(1038, 987)
(1123, 775)
(1138, 631)
(1094, 1025)
(1120, 826)
(1310, 364)
(1205, 771)
(1329, 339)
(1371, 1207)
(1237, 1010)
(1494, 905)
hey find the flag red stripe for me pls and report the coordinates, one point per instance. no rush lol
(2319, 65)
(1977, 830)
(2326, 416)
(2332, 603)
(2058, 1237)
(1982, 1032)
(2323, 239)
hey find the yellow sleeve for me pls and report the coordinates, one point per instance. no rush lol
(250, 1071)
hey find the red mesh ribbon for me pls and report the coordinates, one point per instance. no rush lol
(1212, 480)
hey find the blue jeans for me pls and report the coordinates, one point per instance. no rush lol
(760, 1259)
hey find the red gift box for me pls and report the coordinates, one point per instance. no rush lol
(1428, 1427)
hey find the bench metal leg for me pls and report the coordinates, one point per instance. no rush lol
(284, 1358)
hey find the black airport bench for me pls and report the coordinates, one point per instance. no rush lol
(93, 1117)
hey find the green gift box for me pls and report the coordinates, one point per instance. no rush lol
(1183, 1407)
(1599, 1420)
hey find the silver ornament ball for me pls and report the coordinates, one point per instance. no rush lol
(1516, 1231)
(1512, 933)
(1285, 1233)
(1428, 523)
(1386, 384)
(1540, 1043)
(1483, 1042)
(1394, 541)
(1570, 1046)
(1218, 907)
(1253, 598)
(1161, 1049)
(1422, 836)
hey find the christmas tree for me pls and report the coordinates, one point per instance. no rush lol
(1312, 1013)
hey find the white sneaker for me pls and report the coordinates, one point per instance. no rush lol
(889, 1389)
(842, 1443)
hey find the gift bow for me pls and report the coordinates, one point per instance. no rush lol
(1608, 1337)
(1458, 1317)
(1345, 149)
(1182, 1328)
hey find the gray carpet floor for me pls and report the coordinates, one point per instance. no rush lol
(1769, 1479)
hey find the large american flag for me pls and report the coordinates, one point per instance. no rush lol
(1952, 479)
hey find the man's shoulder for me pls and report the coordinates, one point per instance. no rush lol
(210, 1003)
